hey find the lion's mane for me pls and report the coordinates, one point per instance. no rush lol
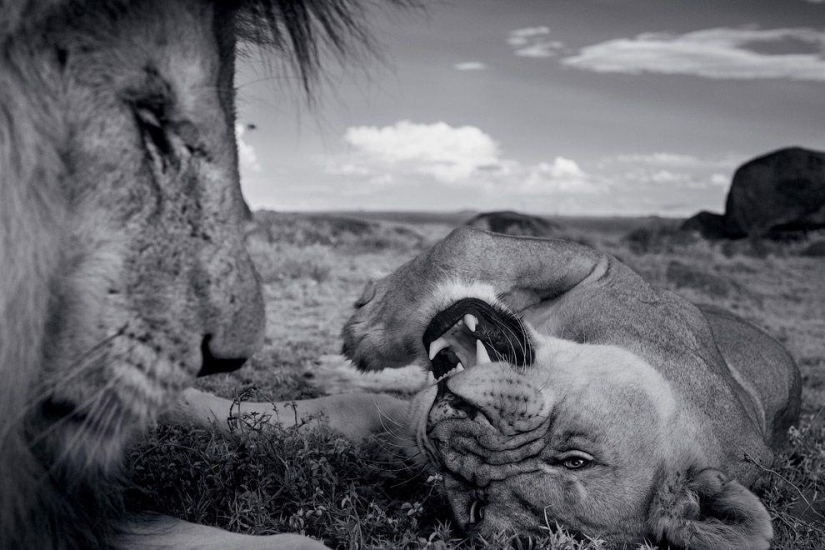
(42, 504)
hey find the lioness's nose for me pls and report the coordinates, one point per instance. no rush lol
(214, 365)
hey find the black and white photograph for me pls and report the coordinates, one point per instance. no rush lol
(412, 274)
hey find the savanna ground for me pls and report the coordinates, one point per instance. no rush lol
(312, 482)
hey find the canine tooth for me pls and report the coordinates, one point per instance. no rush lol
(471, 322)
(438, 345)
(459, 367)
(481, 353)
(430, 378)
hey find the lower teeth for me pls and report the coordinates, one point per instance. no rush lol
(455, 370)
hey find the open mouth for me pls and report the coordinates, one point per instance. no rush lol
(472, 332)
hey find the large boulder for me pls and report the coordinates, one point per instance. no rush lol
(514, 223)
(777, 192)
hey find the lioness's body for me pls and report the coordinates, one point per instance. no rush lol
(741, 385)
(677, 406)
(761, 367)
(673, 401)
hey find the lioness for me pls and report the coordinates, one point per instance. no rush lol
(124, 273)
(569, 390)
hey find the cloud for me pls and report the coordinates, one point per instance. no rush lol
(439, 155)
(448, 154)
(719, 53)
(563, 175)
(246, 153)
(470, 66)
(671, 160)
(669, 171)
(439, 166)
(533, 42)
(721, 180)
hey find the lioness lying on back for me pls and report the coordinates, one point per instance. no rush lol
(570, 391)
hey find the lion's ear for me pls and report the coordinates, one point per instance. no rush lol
(704, 510)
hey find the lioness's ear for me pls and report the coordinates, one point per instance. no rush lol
(704, 510)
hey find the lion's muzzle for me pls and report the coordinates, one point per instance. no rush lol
(215, 365)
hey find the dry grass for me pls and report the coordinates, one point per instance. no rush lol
(320, 485)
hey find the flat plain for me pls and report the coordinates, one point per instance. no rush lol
(313, 267)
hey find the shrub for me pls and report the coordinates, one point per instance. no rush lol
(658, 236)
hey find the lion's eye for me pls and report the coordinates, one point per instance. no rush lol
(150, 116)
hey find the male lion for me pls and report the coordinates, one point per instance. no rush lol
(124, 270)
(569, 391)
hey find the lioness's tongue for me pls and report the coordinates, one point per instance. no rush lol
(471, 332)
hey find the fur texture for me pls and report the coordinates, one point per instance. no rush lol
(119, 231)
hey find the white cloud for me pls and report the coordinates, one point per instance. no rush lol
(246, 153)
(658, 159)
(470, 66)
(463, 157)
(719, 53)
(439, 166)
(563, 176)
(448, 154)
(722, 180)
(522, 37)
(671, 160)
(533, 42)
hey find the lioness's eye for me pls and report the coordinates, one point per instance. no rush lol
(574, 463)
(575, 460)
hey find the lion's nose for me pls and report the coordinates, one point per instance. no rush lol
(214, 365)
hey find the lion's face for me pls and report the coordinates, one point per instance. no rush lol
(155, 283)
(526, 442)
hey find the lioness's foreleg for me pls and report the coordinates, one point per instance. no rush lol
(356, 416)
(166, 533)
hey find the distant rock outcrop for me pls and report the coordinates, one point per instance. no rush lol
(514, 223)
(780, 191)
(814, 250)
(707, 224)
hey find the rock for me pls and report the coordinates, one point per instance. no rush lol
(707, 224)
(814, 250)
(514, 223)
(246, 212)
(777, 192)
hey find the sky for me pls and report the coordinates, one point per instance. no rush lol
(560, 107)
